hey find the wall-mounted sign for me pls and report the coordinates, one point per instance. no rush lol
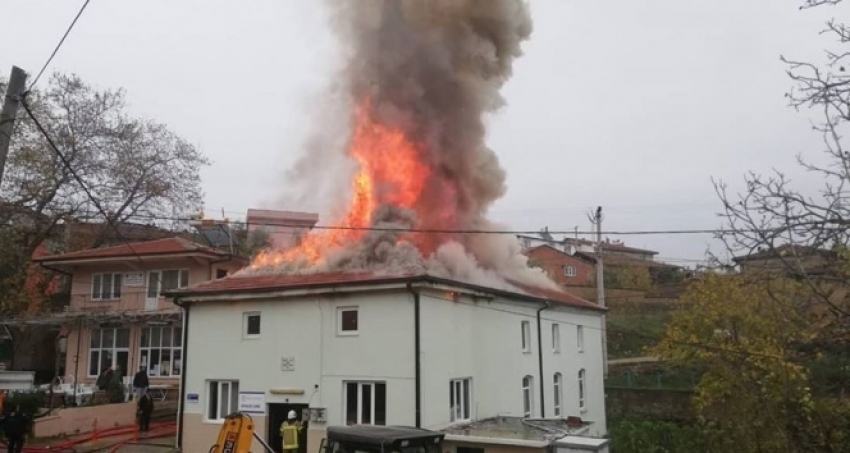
(134, 279)
(287, 364)
(252, 402)
(192, 397)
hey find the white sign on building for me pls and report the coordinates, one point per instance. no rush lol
(252, 402)
(134, 279)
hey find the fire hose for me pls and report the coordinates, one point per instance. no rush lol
(157, 430)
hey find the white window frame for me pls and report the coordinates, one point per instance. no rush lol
(114, 349)
(525, 327)
(245, 318)
(223, 408)
(339, 312)
(114, 293)
(460, 400)
(580, 338)
(582, 390)
(556, 338)
(569, 270)
(528, 396)
(175, 351)
(558, 387)
(372, 393)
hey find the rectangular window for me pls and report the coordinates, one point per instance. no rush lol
(557, 384)
(580, 338)
(174, 279)
(469, 450)
(160, 350)
(527, 396)
(365, 403)
(556, 338)
(348, 321)
(582, 389)
(109, 348)
(526, 336)
(570, 271)
(106, 286)
(460, 399)
(223, 399)
(251, 322)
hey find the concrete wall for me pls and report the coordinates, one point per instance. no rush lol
(451, 447)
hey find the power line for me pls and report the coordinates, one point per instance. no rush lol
(61, 41)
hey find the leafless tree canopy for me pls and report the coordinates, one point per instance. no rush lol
(136, 168)
(772, 216)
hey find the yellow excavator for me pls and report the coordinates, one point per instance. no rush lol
(238, 431)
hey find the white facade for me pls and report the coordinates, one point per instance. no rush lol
(301, 355)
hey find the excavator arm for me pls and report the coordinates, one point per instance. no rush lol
(236, 435)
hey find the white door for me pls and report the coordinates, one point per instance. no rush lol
(152, 299)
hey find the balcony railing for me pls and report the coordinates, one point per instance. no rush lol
(136, 302)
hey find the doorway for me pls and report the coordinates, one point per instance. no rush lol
(277, 415)
(152, 299)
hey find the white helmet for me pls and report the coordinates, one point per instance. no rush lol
(291, 415)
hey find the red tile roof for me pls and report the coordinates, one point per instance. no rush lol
(266, 283)
(169, 246)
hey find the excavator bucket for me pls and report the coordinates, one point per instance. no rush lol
(235, 435)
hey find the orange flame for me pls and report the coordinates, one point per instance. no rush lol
(391, 172)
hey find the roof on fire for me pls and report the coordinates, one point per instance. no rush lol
(271, 283)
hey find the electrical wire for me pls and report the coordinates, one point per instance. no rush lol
(61, 41)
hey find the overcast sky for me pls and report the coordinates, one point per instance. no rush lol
(631, 105)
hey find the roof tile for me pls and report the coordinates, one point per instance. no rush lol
(156, 247)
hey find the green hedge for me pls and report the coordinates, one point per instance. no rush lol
(659, 436)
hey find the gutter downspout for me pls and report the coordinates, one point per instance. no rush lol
(181, 405)
(540, 360)
(77, 358)
(417, 358)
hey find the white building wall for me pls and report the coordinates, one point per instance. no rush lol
(305, 329)
(460, 338)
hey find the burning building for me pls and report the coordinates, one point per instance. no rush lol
(403, 309)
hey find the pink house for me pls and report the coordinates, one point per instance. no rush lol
(117, 317)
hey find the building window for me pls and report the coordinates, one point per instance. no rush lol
(109, 348)
(582, 389)
(580, 338)
(469, 450)
(160, 350)
(106, 286)
(175, 279)
(220, 273)
(251, 324)
(526, 336)
(570, 271)
(527, 396)
(223, 397)
(556, 338)
(558, 379)
(460, 400)
(347, 320)
(365, 403)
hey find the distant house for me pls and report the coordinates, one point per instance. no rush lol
(414, 350)
(789, 260)
(117, 316)
(563, 268)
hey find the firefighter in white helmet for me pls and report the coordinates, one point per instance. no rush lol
(289, 432)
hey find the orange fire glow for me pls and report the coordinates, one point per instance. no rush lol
(391, 172)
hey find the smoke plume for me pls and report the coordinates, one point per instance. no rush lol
(431, 69)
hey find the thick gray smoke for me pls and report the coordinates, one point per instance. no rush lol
(432, 68)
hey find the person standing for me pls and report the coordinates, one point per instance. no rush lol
(144, 411)
(289, 432)
(141, 382)
(15, 427)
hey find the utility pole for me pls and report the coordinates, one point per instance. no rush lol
(600, 288)
(14, 91)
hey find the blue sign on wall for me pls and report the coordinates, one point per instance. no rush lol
(192, 397)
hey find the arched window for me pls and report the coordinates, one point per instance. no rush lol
(557, 382)
(527, 396)
(582, 389)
